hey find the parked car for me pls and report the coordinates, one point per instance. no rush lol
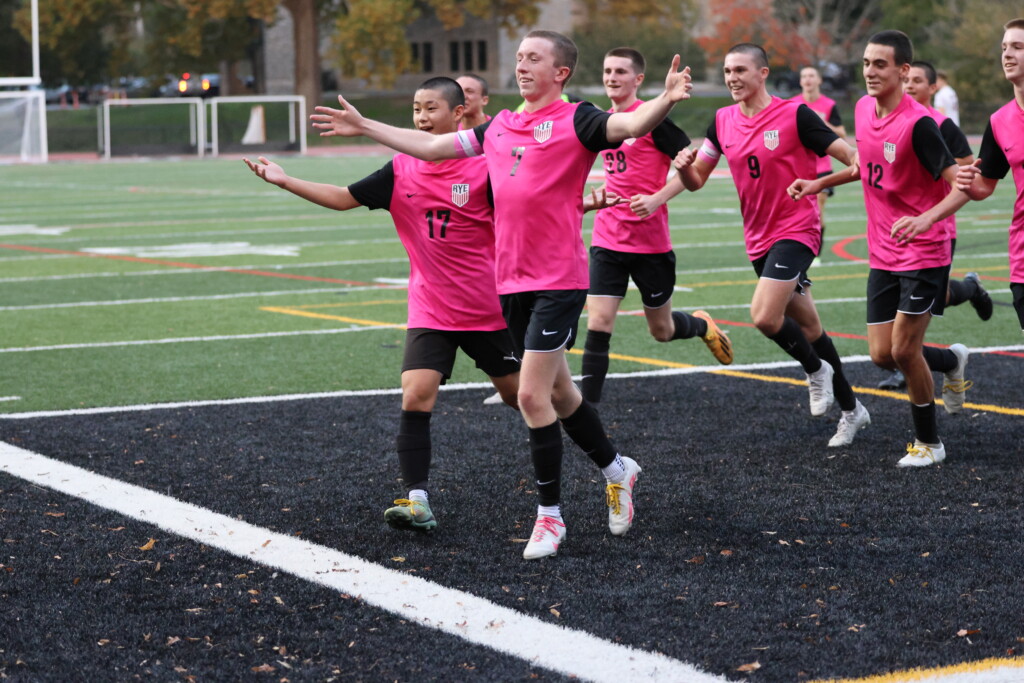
(198, 85)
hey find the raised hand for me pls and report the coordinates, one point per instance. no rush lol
(678, 84)
(345, 122)
(267, 170)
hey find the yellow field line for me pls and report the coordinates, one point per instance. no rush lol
(923, 675)
(657, 362)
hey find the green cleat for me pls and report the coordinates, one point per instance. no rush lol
(411, 514)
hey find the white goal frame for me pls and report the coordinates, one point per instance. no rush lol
(37, 106)
(197, 119)
(296, 115)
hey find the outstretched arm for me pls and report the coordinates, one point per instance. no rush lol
(644, 118)
(348, 122)
(329, 196)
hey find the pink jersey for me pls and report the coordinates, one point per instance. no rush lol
(765, 156)
(1008, 130)
(897, 184)
(444, 220)
(823, 106)
(637, 167)
(538, 167)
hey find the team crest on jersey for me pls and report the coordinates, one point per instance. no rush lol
(460, 194)
(771, 139)
(543, 131)
(889, 151)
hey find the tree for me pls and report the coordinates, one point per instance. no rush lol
(370, 44)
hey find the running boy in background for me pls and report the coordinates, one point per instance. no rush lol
(769, 142)
(906, 171)
(1002, 149)
(475, 89)
(538, 161)
(631, 240)
(443, 216)
(825, 107)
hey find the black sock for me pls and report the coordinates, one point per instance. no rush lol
(688, 327)
(826, 351)
(585, 429)
(546, 453)
(413, 444)
(791, 339)
(961, 291)
(939, 360)
(595, 364)
(926, 427)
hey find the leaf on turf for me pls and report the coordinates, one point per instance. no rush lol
(171, 640)
(263, 669)
(54, 514)
(398, 559)
(968, 632)
(726, 552)
(696, 559)
(149, 545)
(555, 612)
(746, 668)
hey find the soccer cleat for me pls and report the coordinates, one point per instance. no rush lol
(620, 499)
(548, 534)
(894, 381)
(981, 301)
(411, 514)
(955, 386)
(716, 340)
(819, 384)
(922, 454)
(494, 399)
(851, 422)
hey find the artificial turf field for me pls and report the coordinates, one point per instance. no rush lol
(198, 400)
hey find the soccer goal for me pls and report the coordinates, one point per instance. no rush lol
(152, 126)
(257, 123)
(23, 126)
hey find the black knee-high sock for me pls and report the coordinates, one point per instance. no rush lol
(939, 360)
(926, 427)
(413, 444)
(595, 364)
(585, 429)
(546, 453)
(791, 339)
(961, 291)
(826, 351)
(687, 326)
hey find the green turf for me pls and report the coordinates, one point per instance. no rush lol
(51, 298)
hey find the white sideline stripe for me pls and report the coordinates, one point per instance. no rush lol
(454, 612)
(186, 340)
(396, 391)
(9, 398)
(208, 297)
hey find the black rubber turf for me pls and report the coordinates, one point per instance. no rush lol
(753, 541)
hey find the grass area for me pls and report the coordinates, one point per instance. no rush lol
(110, 294)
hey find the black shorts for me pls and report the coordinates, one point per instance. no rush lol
(786, 261)
(828, 191)
(1017, 288)
(543, 321)
(654, 275)
(911, 292)
(428, 349)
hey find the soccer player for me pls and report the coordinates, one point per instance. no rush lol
(825, 107)
(1002, 149)
(921, 84)
(443, 216)
(475, 89)
(769, 142)
(906, 171)
(946, 100)
(538, 162)
(631, 240)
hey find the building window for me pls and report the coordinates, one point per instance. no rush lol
(453, 56)
(423, 54)
(481, 55)
(467, 55)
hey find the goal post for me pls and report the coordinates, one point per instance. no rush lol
(257, 123)
(152, 126)
(23, 126)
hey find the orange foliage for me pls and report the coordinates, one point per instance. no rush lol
(751, 21)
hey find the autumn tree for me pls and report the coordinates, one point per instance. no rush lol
(370, 41)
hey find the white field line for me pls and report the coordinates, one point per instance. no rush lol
(422, 602)
(9, 398)
(208, 297)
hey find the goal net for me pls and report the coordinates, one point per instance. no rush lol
(251, 124)
(23, 126)
(152, 126)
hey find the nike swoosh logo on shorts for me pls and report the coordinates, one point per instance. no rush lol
(779, 265)
(548, 334)
(656, 294)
